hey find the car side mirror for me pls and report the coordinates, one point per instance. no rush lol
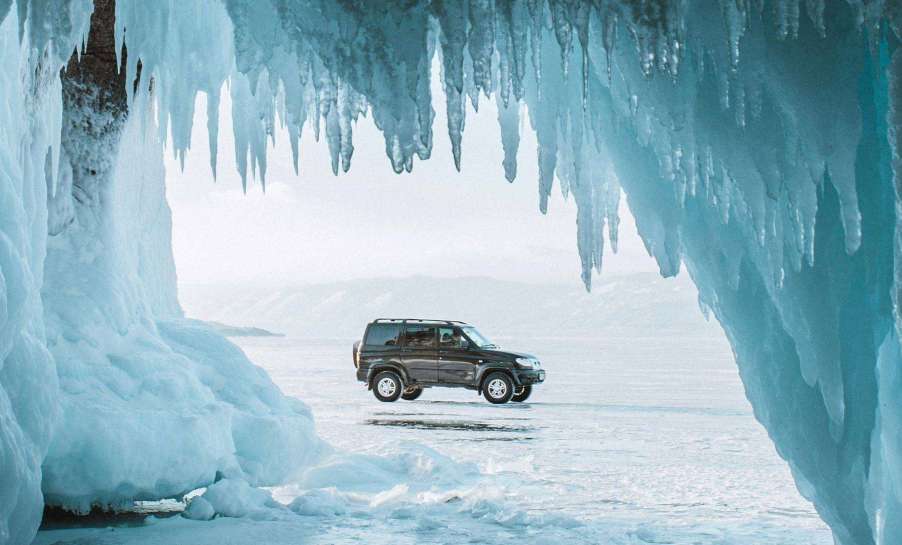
(464, 344)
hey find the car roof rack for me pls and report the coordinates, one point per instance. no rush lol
(416, 320)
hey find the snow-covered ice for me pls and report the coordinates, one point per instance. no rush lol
(629, 443)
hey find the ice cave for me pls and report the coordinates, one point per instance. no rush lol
(756, 143)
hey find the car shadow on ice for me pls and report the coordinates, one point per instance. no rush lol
(446, 416)
(453, 425)
(479, 404)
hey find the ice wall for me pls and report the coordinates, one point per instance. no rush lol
(153, 405)
(107, 394)
(30, 109)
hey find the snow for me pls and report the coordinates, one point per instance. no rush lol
(756, 150)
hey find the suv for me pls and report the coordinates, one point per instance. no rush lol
(401, 357)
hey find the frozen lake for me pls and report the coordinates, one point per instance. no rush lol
(631, 441)
(639, 440)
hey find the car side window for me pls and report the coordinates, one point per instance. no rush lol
(420, 337)
(383, 335)
(450, 337)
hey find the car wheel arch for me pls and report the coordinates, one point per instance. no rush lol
(485, 372)
(374, 371)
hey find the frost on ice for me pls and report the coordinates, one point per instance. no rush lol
(756, 144)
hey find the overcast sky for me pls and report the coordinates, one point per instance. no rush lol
(316, 227)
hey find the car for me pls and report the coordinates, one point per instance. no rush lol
(400, 357)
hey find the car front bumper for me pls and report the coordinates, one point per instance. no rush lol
(531, 376)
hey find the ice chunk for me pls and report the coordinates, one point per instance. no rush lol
(199, 509)
(236, 498)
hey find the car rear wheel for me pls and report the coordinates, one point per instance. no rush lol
(498, 388)
(521, 394)
(411, 392)
(387, 386)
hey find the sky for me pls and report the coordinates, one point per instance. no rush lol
(370, 222)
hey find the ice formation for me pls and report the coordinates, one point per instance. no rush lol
(756, 143)
(107, 394)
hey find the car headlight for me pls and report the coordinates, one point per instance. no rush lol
(528, 363)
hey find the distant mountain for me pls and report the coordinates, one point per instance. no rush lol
(637, 305)
(240, 331)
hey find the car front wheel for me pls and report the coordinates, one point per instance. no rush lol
(521, 394)
(411, 392)
(387, 386)
(498, 388)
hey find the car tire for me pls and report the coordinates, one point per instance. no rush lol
(411, 393)
(498, 388)
(521, 394)
(387, 386)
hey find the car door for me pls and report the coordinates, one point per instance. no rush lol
(457, 364)
(419, 352)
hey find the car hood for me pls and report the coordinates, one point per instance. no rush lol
(507, 353)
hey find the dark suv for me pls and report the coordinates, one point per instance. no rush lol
(401, 357)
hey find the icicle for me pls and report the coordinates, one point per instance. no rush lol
(609, 37)
(788, 12)
(452, 22)
(519, 32)
(815, 10)
(425, 114)
(547, 163)
(894, 136)
(612, 207)
(509, 120)
(481, 40)
(213, 128)
(734, 21)
(503, 47)
(537, 13)
(346, 119)
(456, 120)
(333, 135)
(563, 32)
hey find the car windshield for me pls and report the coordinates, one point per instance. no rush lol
(478, 338)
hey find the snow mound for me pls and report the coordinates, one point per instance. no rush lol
(232, 498)
(167, 411)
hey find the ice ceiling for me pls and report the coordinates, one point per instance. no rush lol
(756, 143)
